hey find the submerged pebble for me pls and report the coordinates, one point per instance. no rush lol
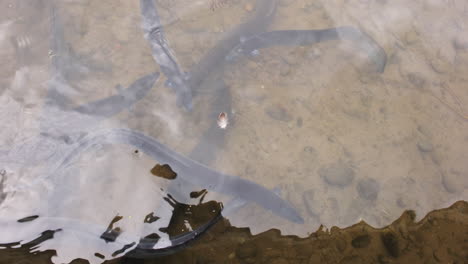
(163, 171)
(299, 122)
(279, 113)
(451, 182)
(368, 188)
(417, 80)
(361, 241)
(425, 146)
(337, 174)
(461, 42)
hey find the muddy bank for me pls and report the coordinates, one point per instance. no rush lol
(440, 237)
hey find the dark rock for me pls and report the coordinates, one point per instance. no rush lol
(310, 154)
(278, 112)
(461, 42)
(340, 244)
(163, 171)
(338, 174)
(28, 219)
(309, 149)
(368, 189)
(417, 80)
(361, 241)
(299, 122)
(390, 241)
(425, 146)
(450, 183)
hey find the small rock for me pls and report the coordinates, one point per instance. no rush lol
(299, 122)
(310, 150)
(340, 243)
(461, 42)
(390, 242)
(310, 154)
(278, 112)
(163, 171)
(436, 157)
(402, 202)
(416, 79)
(424, 130)
(450, 183)
(361, 241)
(368, 188)
(338, 174)
(425, 146)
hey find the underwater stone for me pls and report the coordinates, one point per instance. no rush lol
(278, 112)
(361, 241)
(338, 174)
(425, 146)
(390, 241)
(368, 189)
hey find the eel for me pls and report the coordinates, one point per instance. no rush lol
(61, 123)
(243, 39)
(59, 114)
(186, 168)
(265, 10)
(213, 139)
(60, 127)
(203, 74)
(308, 37)
(144, 249)
(212, 63)
(114, 104)
(65, 64)
(163, 55)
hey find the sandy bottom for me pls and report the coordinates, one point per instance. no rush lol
(341, 142)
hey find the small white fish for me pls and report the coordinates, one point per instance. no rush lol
(222, 120)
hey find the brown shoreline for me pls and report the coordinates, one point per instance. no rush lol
(440, 237)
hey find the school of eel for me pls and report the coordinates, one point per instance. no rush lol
(67, 132)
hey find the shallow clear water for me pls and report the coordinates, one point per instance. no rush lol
(316, 125)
